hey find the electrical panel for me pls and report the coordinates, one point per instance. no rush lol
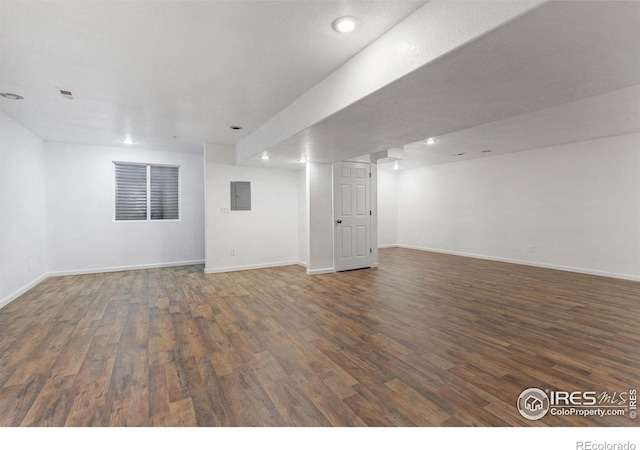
(240, 196)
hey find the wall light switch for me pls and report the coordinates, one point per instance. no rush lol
(224, 210)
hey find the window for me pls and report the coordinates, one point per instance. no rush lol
(147, 192)
(165, 193)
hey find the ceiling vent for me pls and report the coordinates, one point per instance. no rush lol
(67, 94)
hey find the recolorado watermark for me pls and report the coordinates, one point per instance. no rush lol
(534, 404)
(588, 445)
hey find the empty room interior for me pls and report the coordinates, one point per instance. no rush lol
(319, 213)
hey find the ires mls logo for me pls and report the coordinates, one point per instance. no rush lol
(576, 398)
(534, 403)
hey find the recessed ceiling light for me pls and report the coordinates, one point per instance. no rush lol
(395, 166)
(128, 141)
(235, 127)
(11, 96)
(302, 160)
(487, 151)
(264, 157)
(345, 24)
(458, 154)
(430, 141)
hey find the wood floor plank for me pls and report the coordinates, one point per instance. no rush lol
(369, 413)
(420, 410)
(16, 400)
(51, 406)
(182, 413)
(330, 405)
(424, 339)
(376, 396)
(295, 408)
(86, 409)
(217, 402)
(248, 402)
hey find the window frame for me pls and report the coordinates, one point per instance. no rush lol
(148, 167)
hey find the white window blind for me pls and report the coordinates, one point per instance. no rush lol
(165, 193)
(147, 192)
(131, 192)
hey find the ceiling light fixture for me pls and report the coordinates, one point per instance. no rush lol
(128, 141)
(11, 96)
(302, 160)
(235, 127)
(430, 141)
(395, 166)
(345, 24)
(264, 157)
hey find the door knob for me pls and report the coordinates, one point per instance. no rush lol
(338, 221)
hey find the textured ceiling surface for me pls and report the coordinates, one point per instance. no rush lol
(610, 114)
(431, 32)
(155, 70)
(172, 75)
(560, 52)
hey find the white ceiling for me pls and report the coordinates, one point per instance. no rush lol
(520, 80)
(564, 72)
(153, 70)
(610, 114)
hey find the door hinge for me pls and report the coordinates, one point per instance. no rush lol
(370, 250)
(369, 174)
(370, 213)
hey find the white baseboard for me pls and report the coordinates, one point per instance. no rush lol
(388, 246)
(252, 267)
(64, 273)
(11, 297)
(321, 271)
(600, 273)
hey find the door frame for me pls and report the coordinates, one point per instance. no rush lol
(371, 256)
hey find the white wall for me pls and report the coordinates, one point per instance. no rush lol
(319, 178)
(387, 208)
(267, 235)
(320, 198)
(303, 218)
(375, 216)
(577, 205)
(22, 210)
(81, 234)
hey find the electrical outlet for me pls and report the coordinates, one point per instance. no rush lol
(532, 249)
(30, 265)
(224, 210)
(233, 252)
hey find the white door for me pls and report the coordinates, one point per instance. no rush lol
(352, 215)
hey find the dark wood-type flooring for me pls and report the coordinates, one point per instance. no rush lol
(426, 339)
